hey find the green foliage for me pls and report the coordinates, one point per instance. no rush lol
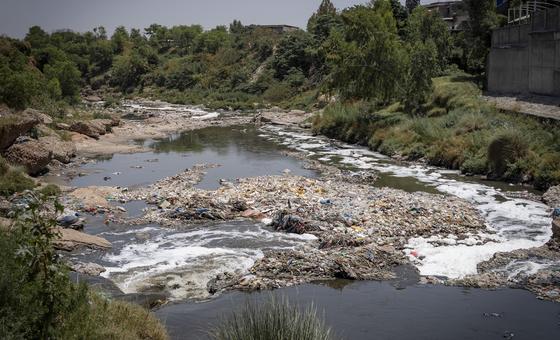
(322, 22)
(475, 43)
(67, 76)
(505, 149)
(37, 298)
(13, 180)
(50, 190)
(127, 71)
(468, 134)
(418, 82)
(366, 57)
(273, 320)
(425, 26)
(293, 54)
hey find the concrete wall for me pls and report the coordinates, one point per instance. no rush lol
(526, 58)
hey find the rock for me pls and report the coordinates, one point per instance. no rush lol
(93, 197)
(93, 128)
(72, 239)
(13, 126)
(552, 197)
(254, 214)
(61, 151)
(32, 155)
(93, 99)
(41, 117)
(63, 126)
(297, 112)
(92, 269)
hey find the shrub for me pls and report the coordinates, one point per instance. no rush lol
(50, 190)
(15, 180)
(504, 149)
(37, 298)
(273, 320)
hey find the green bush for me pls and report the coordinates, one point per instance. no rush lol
(50, 190)
(274, 319)
(14, 181)
(37, 298)
(504, 149)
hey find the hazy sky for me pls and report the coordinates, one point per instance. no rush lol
(16, 16)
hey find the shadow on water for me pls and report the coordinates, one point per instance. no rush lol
(239, 151)
(378, 310)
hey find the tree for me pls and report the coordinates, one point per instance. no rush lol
(478, 33)
(37, 38)
(424, 26)
(119, 39)
(68, 77)
(127, 71)
(421, 70)
(323, 21)
(400, 14)
(366, 56)
(293, 53)
(411, 5)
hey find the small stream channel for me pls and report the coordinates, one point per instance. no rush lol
(359, 310)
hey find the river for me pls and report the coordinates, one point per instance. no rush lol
(362, 310)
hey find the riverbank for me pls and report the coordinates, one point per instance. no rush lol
(459, 131)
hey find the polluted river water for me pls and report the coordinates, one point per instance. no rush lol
(153, 254)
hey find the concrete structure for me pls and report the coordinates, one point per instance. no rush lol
(276, 28)
(526, 58)
(452, 12)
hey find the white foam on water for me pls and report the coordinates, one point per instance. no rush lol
(184, 262)
(517, 223)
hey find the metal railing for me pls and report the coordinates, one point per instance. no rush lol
(521, 14)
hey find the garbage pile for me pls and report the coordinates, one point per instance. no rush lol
(361, 230)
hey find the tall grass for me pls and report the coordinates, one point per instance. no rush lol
(275, 319)
(460, 131)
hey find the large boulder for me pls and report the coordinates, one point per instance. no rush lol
(40, 116)
(12, 126)
(552, 197)
(92, 128)
(61, 151)
(71, 239)
(31, 154)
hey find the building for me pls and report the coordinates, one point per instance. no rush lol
(452, 12)
(275, 28)
(525, 56)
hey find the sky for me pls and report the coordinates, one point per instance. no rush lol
(16, 16)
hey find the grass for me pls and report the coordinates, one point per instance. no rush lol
(121, 320)
(275, 319)
(13, 180)
(459, 131)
